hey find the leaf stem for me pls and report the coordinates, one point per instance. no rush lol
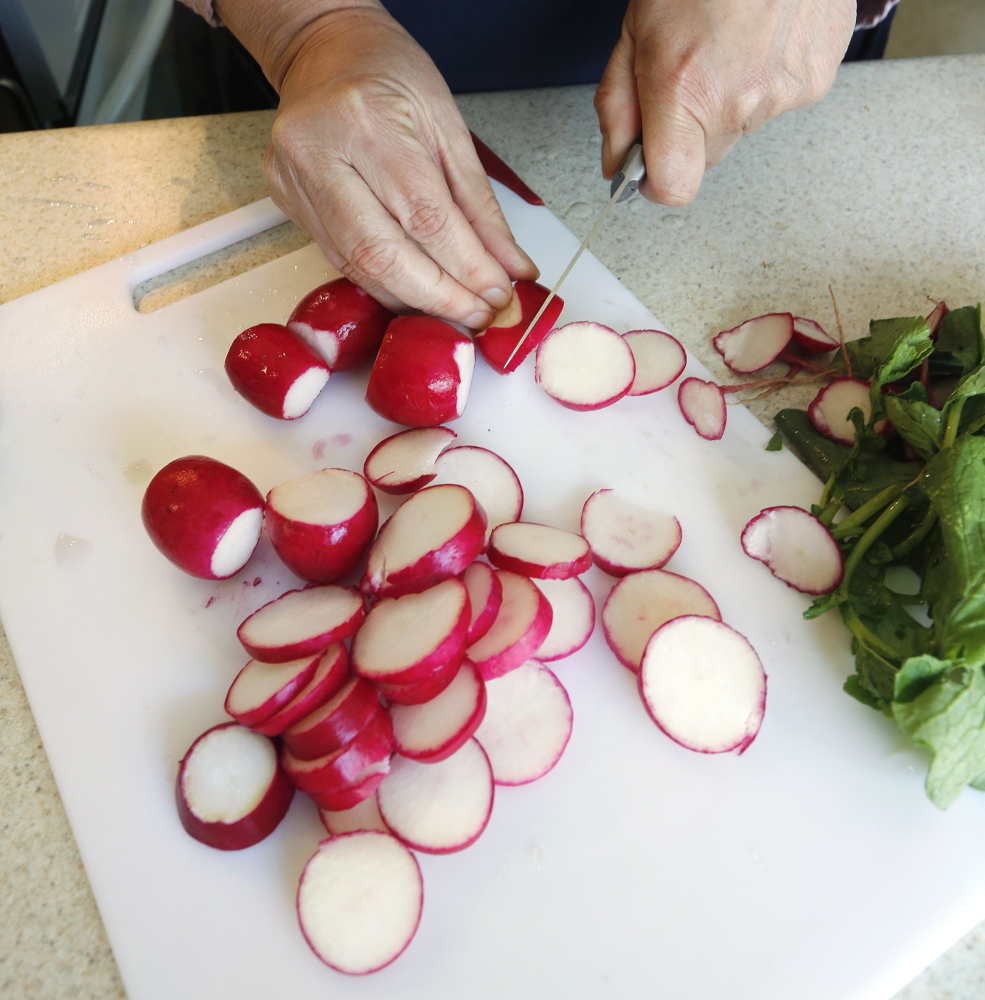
(853, 524)
(953, 420)
(915, 537)
(878, 526)
(866, 635)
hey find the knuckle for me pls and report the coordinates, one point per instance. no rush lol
(374, 260)
(425, 220)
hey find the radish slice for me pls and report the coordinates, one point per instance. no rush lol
(641, 602)
(527, 724)
(436, 729)
(261, 689)
(812, 336)
(520, 628)
(829, 410)
(539, 550)
(703, 407)
(404, 462)
(703, 685)
(659, 357)
(485, 598)
(231, 792)
(334, 724)
(434, 534)
(797, 548)
(585, 366)
(301, 622)
(359, 901)
(363, 816)
(490, 479)
(442, 807)
(756, 343)
(330, 674)
(624, 536)
(573, 617)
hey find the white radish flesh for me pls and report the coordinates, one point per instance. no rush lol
(755, 343)
(659, 359)
(539, 550)
(624, 536)
(703, 407)
(812, 336)
(573, 617)
(797, 548)
(404, 462)
(363, 816)
(261, 689)
(585, 365)
(830, 408)
(489, 478)
(485, 598)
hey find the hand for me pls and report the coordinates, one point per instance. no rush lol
(693, 75)
(370, 155)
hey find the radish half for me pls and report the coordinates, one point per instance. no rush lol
(539, 550)
(490, 479)
(755, 343)
(703, 407)
(624, 536)
(659, 357)
(572, 617)
(404, 462)
(497, 341)
(585, 366)
(797, 548)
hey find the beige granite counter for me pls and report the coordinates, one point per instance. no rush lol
(876, 192)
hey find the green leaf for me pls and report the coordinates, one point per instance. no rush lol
(775, 443)
(918, 423)
(960, 337)
(893, 349)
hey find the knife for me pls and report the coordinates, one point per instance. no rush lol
(625, 184)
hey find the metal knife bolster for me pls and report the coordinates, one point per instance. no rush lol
(631, 172)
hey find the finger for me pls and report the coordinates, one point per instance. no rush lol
(617, 105)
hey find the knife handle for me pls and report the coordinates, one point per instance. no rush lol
(632, 167)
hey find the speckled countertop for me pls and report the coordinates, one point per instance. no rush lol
(877, 192)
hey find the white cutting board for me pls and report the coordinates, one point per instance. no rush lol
(812, 866)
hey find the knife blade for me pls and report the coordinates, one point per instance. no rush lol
(625, 184)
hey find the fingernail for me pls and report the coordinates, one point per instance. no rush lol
(497, 297)
(478, 321)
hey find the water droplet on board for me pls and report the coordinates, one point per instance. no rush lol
(70, 550)
(536, 856)
(137, 472)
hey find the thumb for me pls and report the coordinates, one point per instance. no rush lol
(617, 105)
(673, 148)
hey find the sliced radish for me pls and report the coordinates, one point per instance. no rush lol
(539, 550)
(419, 692)
(585, 366)
(573, 617)
(520, 628)
(527, 724)
(364, 815)
(703, 685)
(624, 536)
(490, 479)
(703, 407)
(231, 791)
(797, 548)
(435, 730)
(261, 689)
(434, 534)
(659, 357)
(404, 462)
(755, 343)
(641, 602)
(830, 408)
(359, 901)
(442, 807)
(204, 515)
(812, 337)
(331, 726)
(497, 341)
(301, 622)
(485, 598)
(321, 524)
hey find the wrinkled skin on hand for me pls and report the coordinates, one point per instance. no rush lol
(693, 75)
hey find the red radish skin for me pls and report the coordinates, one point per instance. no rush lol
(422, 373)
(350, 795)
(624, 536)
(641, 602)
(527, 724)
(359, 901)
(829, 409)
(812, 337)
(703, 685)
(539, 550)
(796, 547)
(441, 807)
(343, 324)
(497, 341)
(419, 692)
(261, 689)
(364, 815)
(404, 462)
(231, 792)
(485, 597)
(703, 407)
(502, 172)
(433, 535)
(276, 371)
(435, 730)
(585, 366)
(490, 479)
(330, 675)
(936, 317)
(302, 622)
(572, 617)
(755, 343)
(331, 726)
(204, 516)
(660, 359)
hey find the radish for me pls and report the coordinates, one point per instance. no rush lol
(359, 901)
(301, 622)
(485, 598)
(204, 516)
(703, 407)
(585, 366)
(342, 323)
(329, 676)
(527, 724)
(404, 462)
(703, 685)
(321, 524)
(572, 617)
(490, 479)
(659, 358)
(755, 343)
(422, 373)
(520, 628)
(261, 689)
(497, 342)
(435, 730)
(812, 337)
(797, 548)
(539, 550)
(231, 791)
(936, 317)
(331, 726)
(829, 409)
(641, 602)
(275, 370)
(434, 534)
(364, 815)
(442, 807)
(624, 536)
